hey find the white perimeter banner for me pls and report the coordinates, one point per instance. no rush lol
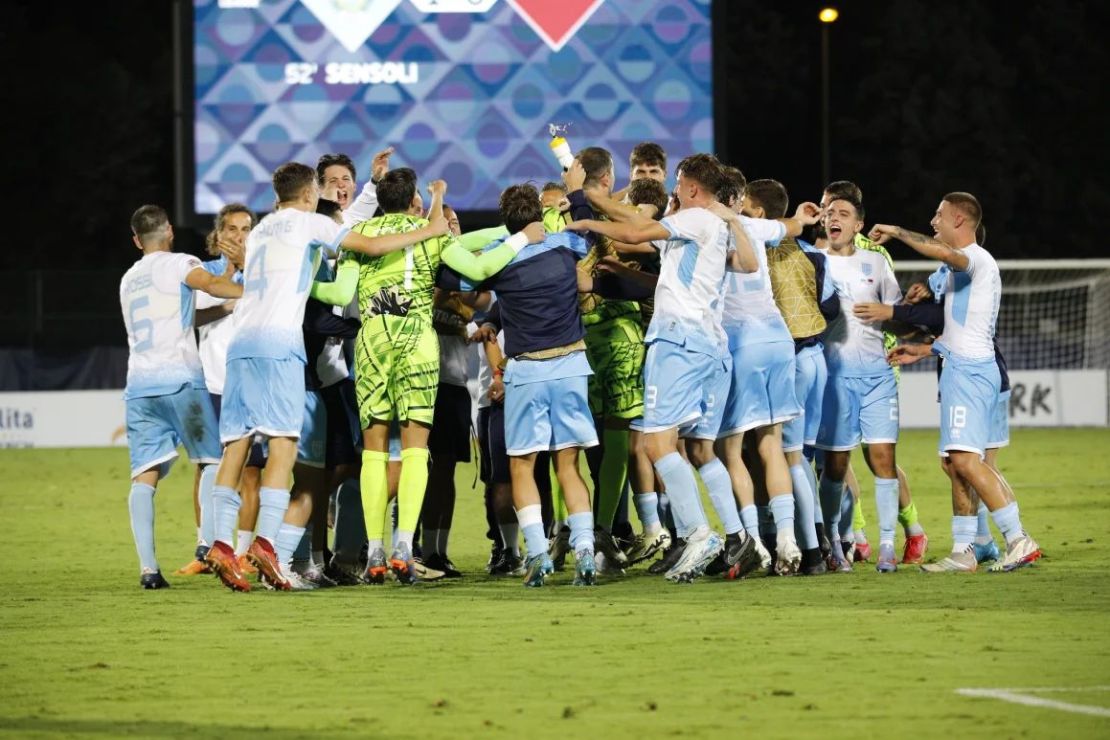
(1038, 398)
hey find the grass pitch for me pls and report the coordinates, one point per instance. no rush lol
(86, 652)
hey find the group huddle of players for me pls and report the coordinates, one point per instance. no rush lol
(672, 335)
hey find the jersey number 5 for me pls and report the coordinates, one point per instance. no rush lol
(142, 330)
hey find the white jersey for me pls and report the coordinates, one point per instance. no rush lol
(853, 348)
(751, 315)
(158, 313)
(281, 254)
(971, 304)
(688, 296)
(215, 337)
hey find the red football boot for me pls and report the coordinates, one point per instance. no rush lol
(261, 554)
(914, 552)
(221, 559)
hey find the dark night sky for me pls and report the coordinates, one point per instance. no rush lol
(1005, 100)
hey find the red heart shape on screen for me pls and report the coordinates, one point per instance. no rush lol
(555, 22)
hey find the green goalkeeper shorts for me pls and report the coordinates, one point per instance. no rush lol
(615, 349)
(396, 370)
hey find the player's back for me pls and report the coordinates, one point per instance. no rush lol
(971, 305)
(797, 272)
(158, 314)
(282, 253)
(854, 348)
(750, 313)
(400, 283)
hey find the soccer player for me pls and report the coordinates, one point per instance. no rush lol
(265, 390)
(397, 354)
(165, 395)
(861, 397)
(970, 382)
(337, 176)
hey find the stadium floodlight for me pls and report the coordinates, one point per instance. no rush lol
(828, 15)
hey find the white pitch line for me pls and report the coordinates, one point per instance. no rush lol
(1036, 701)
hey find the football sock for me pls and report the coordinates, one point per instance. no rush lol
(243, 541)
(531, 522)
(288, 537)
(682, 492)
(317, 558)
(272, 504)
(716, 479)
(782, 511)
(401, 537)
(963, 533)
(803, 504)
(766, 521)
(647, 509)
(858, 520)
(832, 495)
(581, 531)
(225, 506)
(750, 518)
(886, 503)
(350, 524)
(612, 476)
(200, 535)
(907, 517)
(847, 511)
(303, 551)
(1008, 522)
(983, 534)
(510, 536)
(410, 491)
(374, 488)
(429, 539)
(140, 504)
(441, 541)
(207, 510)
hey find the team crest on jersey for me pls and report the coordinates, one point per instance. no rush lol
(866, 268)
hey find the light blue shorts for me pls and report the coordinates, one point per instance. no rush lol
(968, 403)
(762, 388)
(262, 396)
(1000, 423)
(858, 409)
(395, 441)
(679, 384)
(156, 425)
(810, 376)
(312, 445)
(713, 398)
(548, 415)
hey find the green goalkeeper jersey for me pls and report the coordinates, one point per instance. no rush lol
(400, 283)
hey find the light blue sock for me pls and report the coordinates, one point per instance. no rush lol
(207, 506)
(886, 503)
(715, 477)
(647, 509)
(581, 531)
(272, 504)
(983, 532)
(749, 515)
(963, 532)
(141, 506)
(804, 497)
(531, 523)
(1008, 522)
(782, 511)
(288, 537)
(350, 525)
(225, 510)
(682, 492)
(817, 518)
(665, 515)
(304, 547)
(847, 511)
(832, 496)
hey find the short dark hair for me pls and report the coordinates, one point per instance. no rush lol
(553, 185)
(596, 161)
(648, 153)
(732, 184)
(770, 195)
(396, 190)
(704, 169)
(981, 234)
(520, 206)
(290, 179)
(646, 190)
(968, 204)
(327, 160)
(845, 189)
(856, 205)
(221, 217)
(329, 208)
(148, 220)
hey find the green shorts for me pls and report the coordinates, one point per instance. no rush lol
(396, 370)
(615, 349)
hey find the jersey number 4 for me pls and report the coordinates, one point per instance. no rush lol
(254, 278)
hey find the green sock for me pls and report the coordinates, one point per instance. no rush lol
(613, 475)
(907, 517)
(374, 485)
(858, 522)
(410, 490)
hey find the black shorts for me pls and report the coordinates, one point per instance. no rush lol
(491, 441)
(344, 442)
(450, 435)
(257, 457)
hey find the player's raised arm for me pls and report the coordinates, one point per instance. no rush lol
(437, 189)
(921, 244)
(630, 233)
(219, 286)
(806, 214)
(479, 267)
(376, 246)
(742, 258)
